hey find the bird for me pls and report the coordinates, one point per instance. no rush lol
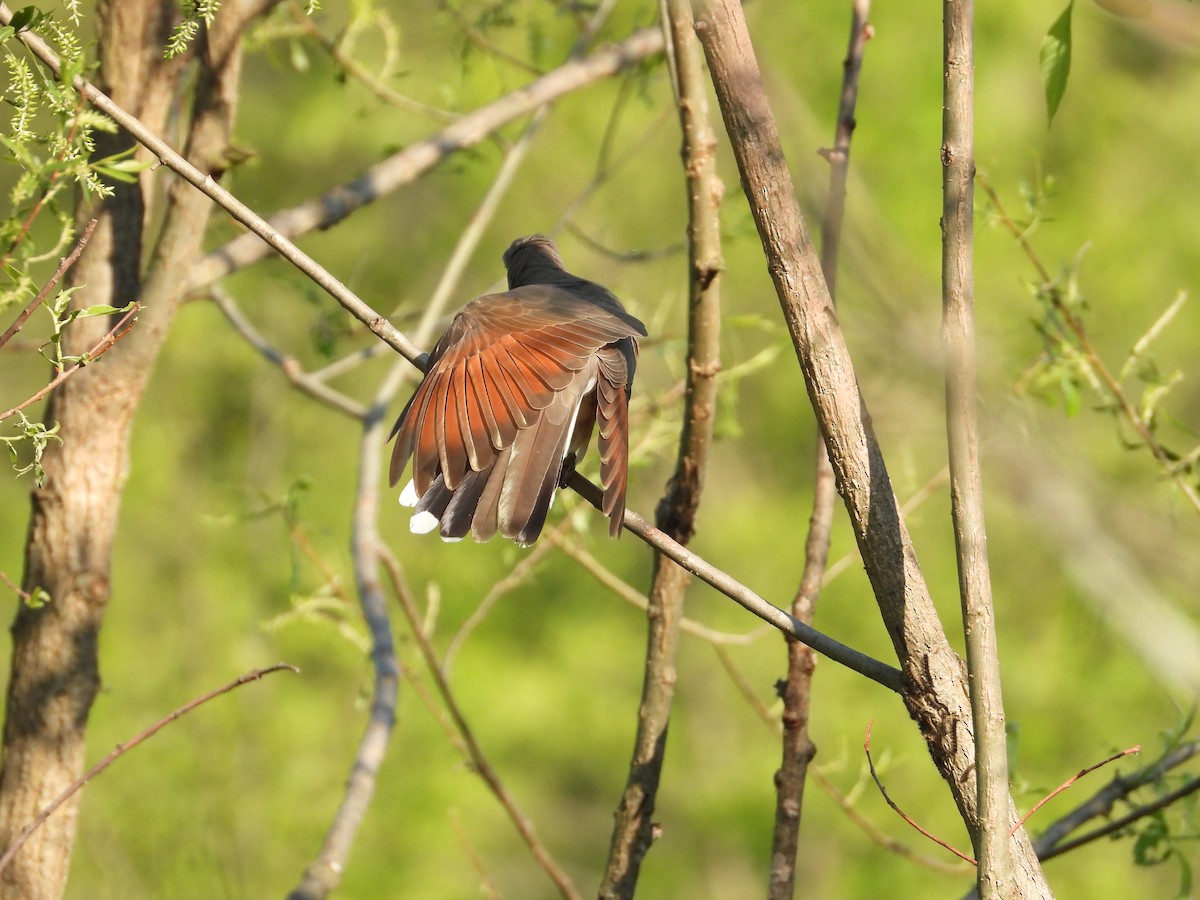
(511, 395)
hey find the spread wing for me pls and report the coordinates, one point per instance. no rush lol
(502, 362)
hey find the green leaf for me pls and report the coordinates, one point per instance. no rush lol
(38, 598)
(23, 18)
(1056, 60)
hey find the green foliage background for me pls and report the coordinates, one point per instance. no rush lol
(234, 799)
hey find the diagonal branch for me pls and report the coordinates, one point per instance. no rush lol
(415, 160)
(935, 683)
(64, 264)
(123, 748)
(865, 665)
(1053, 841)
(208, 186)
(797, 748)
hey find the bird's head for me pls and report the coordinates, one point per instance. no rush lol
(526, 256)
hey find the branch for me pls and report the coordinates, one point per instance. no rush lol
(795, 692)
(415, 160)
(289, 365)
(901, 813)
(991, 836)
(324, 874)
(934, 681)
(122, 749)
(1074, 778)
(1187, 789)
(633, 826)
(208, 186)
(37, 301)
(479, 761)
(729, 586)
(1052, 842)
(102, 346)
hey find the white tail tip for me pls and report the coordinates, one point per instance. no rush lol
(408, 496)
(422, 522)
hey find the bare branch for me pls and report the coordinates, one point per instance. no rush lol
(901, 813)
(991, 837)
(479, 760)
(413, 161)
(633, 827)
(101, 347)
(849, 657)
(935, 688)
(1052, 842)
(37, 301)
(122, 749)
(1074, 778)
(208, 186)
(796, 689)
(1188, 788)
(287, 364)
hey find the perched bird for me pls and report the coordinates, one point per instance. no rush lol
(510, 397)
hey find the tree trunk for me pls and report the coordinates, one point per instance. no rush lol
(55, 670)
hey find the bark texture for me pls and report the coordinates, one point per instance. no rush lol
(73, 517)
(936, 679)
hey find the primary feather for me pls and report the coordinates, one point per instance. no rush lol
(511, 395)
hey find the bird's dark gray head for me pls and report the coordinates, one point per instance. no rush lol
(528, 258)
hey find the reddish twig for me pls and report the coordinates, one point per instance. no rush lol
(37, 301)
(122, 749)
(102, 346)
(16, 589)
(1136, 748)
(1189, 787)
(901, 813)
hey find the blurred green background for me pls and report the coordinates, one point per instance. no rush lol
(233, 800)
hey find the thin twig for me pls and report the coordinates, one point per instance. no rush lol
(1187, 789)
(479, 760)
(287, 364)
(1101, 803)
(1091, 356)
(1136, 748)
(796, 690)
(899, 811)
(63, 266)
(101, 347)
(15, 588)
(357, 71)
(121, 749)
(487, 884)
